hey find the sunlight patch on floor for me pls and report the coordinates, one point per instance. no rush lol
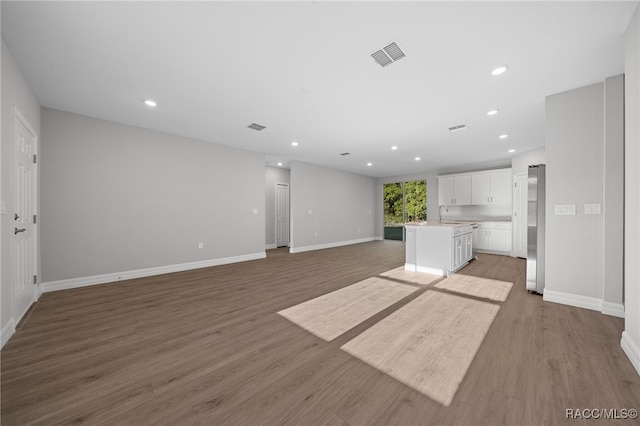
(331, 314)
(427, 344)
(476, 286)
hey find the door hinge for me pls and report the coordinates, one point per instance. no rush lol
(35, 279)
(515, 184)
(34, 219)
(34, 159)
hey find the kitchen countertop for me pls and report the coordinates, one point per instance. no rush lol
(443, 224)
(477, 218)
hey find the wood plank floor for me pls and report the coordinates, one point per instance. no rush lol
(207, 347)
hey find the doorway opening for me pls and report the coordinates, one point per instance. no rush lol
(404, 202)
(282, 214)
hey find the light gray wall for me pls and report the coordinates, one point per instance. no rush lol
(575, 148)
(520, 163)
(118, 198)
(632, 188)
(342, 206)
(273, 175)
(16, 93)
(613, 210)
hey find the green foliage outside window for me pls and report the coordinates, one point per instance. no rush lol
(412, 196)
(415, 193)
(393, 204)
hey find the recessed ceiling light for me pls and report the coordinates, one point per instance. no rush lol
(369, 164)
(503, 136)
(492, 112)
(294, 143)
(511, 151)
(150, 103)
(499, 70)
(394, 147)
(279, 164)
(417, 158)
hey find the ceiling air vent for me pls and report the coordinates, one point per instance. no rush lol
(388, 55)
(256, 126)
(457, 128)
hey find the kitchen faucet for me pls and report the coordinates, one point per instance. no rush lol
(440, 211)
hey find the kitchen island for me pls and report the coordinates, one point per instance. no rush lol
(438, 248)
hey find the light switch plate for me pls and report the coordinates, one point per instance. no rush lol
(592, 209)
(255, 211)
(565, 209)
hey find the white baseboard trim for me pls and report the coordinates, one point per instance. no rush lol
(139, 273)
(6, 333)
(501, 253)
(431, 271)
(270, 246)
(632, 350)
(330, 245)
(613, 309)
(593, 303)
(572, 300)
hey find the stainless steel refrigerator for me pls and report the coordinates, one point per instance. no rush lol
(535, 229)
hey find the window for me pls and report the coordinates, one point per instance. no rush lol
(404, 202)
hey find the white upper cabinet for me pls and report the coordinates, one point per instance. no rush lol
(446, 193)
(463, 189)
(454, 190)
(491, 187)
(501, 183)
(481, 184)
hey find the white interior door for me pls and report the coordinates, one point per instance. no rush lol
(24, 262)
(282, 214)
(520, 189)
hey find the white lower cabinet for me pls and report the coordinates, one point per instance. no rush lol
(458, 253)
(493, 236)
(481, 238)
(468, 247)
(462, 250)
(500, 239)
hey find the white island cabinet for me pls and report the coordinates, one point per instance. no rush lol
(438, 248)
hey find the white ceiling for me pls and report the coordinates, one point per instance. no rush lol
(304, 70)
